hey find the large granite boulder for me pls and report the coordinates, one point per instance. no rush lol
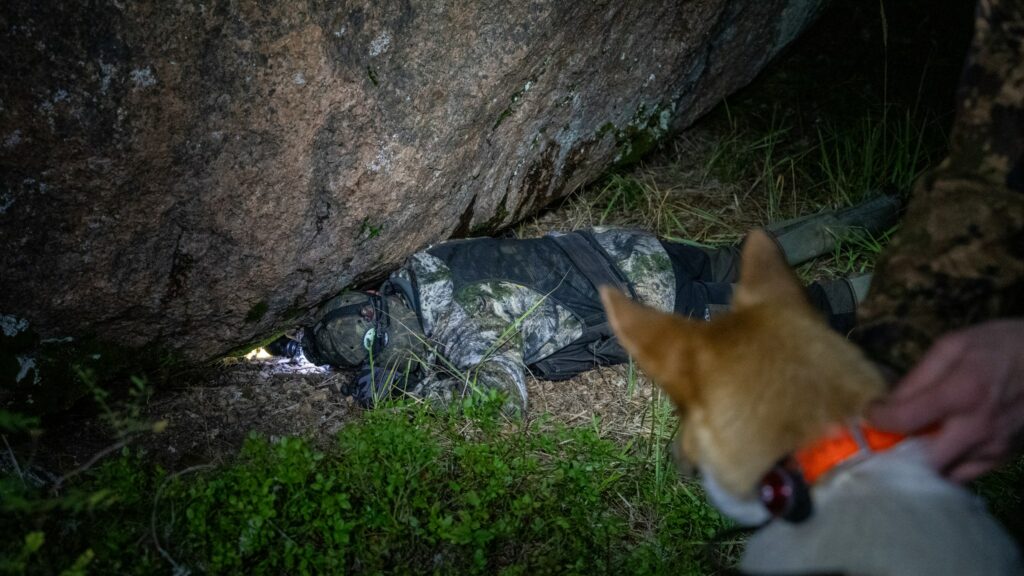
(194, 174)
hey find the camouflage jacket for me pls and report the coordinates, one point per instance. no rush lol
(958, 260)
(485, 335)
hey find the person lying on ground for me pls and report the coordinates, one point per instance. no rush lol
(476, 315)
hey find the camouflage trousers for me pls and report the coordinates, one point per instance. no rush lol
(958, 260)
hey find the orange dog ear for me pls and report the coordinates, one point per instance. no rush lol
(660, 342)
(764, 274)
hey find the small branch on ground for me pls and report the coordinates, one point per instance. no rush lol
(14, 460)
(91, 462)
(178, 569)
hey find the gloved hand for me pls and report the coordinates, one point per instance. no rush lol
(372, 385)
(382, 382)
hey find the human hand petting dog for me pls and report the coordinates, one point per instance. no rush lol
(970, 383)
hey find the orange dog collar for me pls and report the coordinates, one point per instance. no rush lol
(841, 445)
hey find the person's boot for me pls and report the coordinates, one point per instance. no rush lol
(811, 236)
(807, 237)
(838, 300)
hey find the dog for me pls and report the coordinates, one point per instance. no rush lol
(770, 403)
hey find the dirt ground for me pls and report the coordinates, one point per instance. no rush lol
(208, 421)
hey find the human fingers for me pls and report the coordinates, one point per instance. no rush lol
(969, 470)
(959, 438)
(954, 393)
(933, 368)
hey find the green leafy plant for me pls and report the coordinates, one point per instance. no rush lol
(405, 489)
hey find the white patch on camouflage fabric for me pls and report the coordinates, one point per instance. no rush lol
(544, 326)
(475, 354)
(644, 262)
(434, 284)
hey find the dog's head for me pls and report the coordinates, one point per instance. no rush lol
(752, 385)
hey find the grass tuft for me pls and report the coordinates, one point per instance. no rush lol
(871, 155)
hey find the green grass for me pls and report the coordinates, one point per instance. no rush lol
(1001, 490)
(749, 166)
(871, 155)
(855, 253)
(404, 490)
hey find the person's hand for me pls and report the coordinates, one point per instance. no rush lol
(373, 386)
(971, 384)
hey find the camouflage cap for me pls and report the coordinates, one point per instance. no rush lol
(405, 342)
(352, 326)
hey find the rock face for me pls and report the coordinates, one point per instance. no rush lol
(195, 175)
